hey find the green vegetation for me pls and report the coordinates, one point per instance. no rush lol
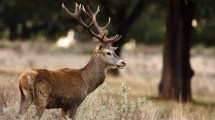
(27, 19)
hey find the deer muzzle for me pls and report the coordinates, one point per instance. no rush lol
(121, 64)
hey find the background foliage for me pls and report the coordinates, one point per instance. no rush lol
(27, 19)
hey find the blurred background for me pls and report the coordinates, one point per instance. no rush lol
(168, 47)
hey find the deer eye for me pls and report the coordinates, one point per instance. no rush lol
(108, 53)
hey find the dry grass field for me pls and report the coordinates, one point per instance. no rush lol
(132, 96)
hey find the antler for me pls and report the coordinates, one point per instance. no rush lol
(92, 16)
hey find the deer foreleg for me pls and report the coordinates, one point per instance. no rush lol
(64, 112)
(73, 110)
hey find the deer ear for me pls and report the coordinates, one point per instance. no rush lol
(99, 48)
(113, 48)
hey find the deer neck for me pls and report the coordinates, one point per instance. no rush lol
(94, 73)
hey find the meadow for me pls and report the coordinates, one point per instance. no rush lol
(131, 96)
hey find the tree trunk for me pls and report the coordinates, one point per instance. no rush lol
(176, 75)
(25, 31)
(13, 31)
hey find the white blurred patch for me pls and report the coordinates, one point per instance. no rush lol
(66, 42)
(130, 45)
(194, 23)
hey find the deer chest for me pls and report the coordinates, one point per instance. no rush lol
(62, 102)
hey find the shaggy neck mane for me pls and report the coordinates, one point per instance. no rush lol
(94, 72)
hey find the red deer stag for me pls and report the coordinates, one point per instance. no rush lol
(67, 88)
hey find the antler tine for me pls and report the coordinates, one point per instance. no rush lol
(90, 11)
(113, 39)
(93, 17)
(100, 30)
(119, 37)
(97, 11)
(89, 14)
(97, 36)
(109, 19)
(76, 14)
(100, 35)
(79, 17)
(68, 12)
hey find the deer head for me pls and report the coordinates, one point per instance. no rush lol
(104, 50)
(108, 57)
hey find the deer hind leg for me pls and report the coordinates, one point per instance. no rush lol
(42, 93)
(26, 100)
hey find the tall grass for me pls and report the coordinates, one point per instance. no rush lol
(99, 105)
(102, 105)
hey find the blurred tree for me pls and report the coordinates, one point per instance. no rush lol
(150, 26)
(24, 18)
(176, 75)
(11, 19)
(204, 30)
(123, 14)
